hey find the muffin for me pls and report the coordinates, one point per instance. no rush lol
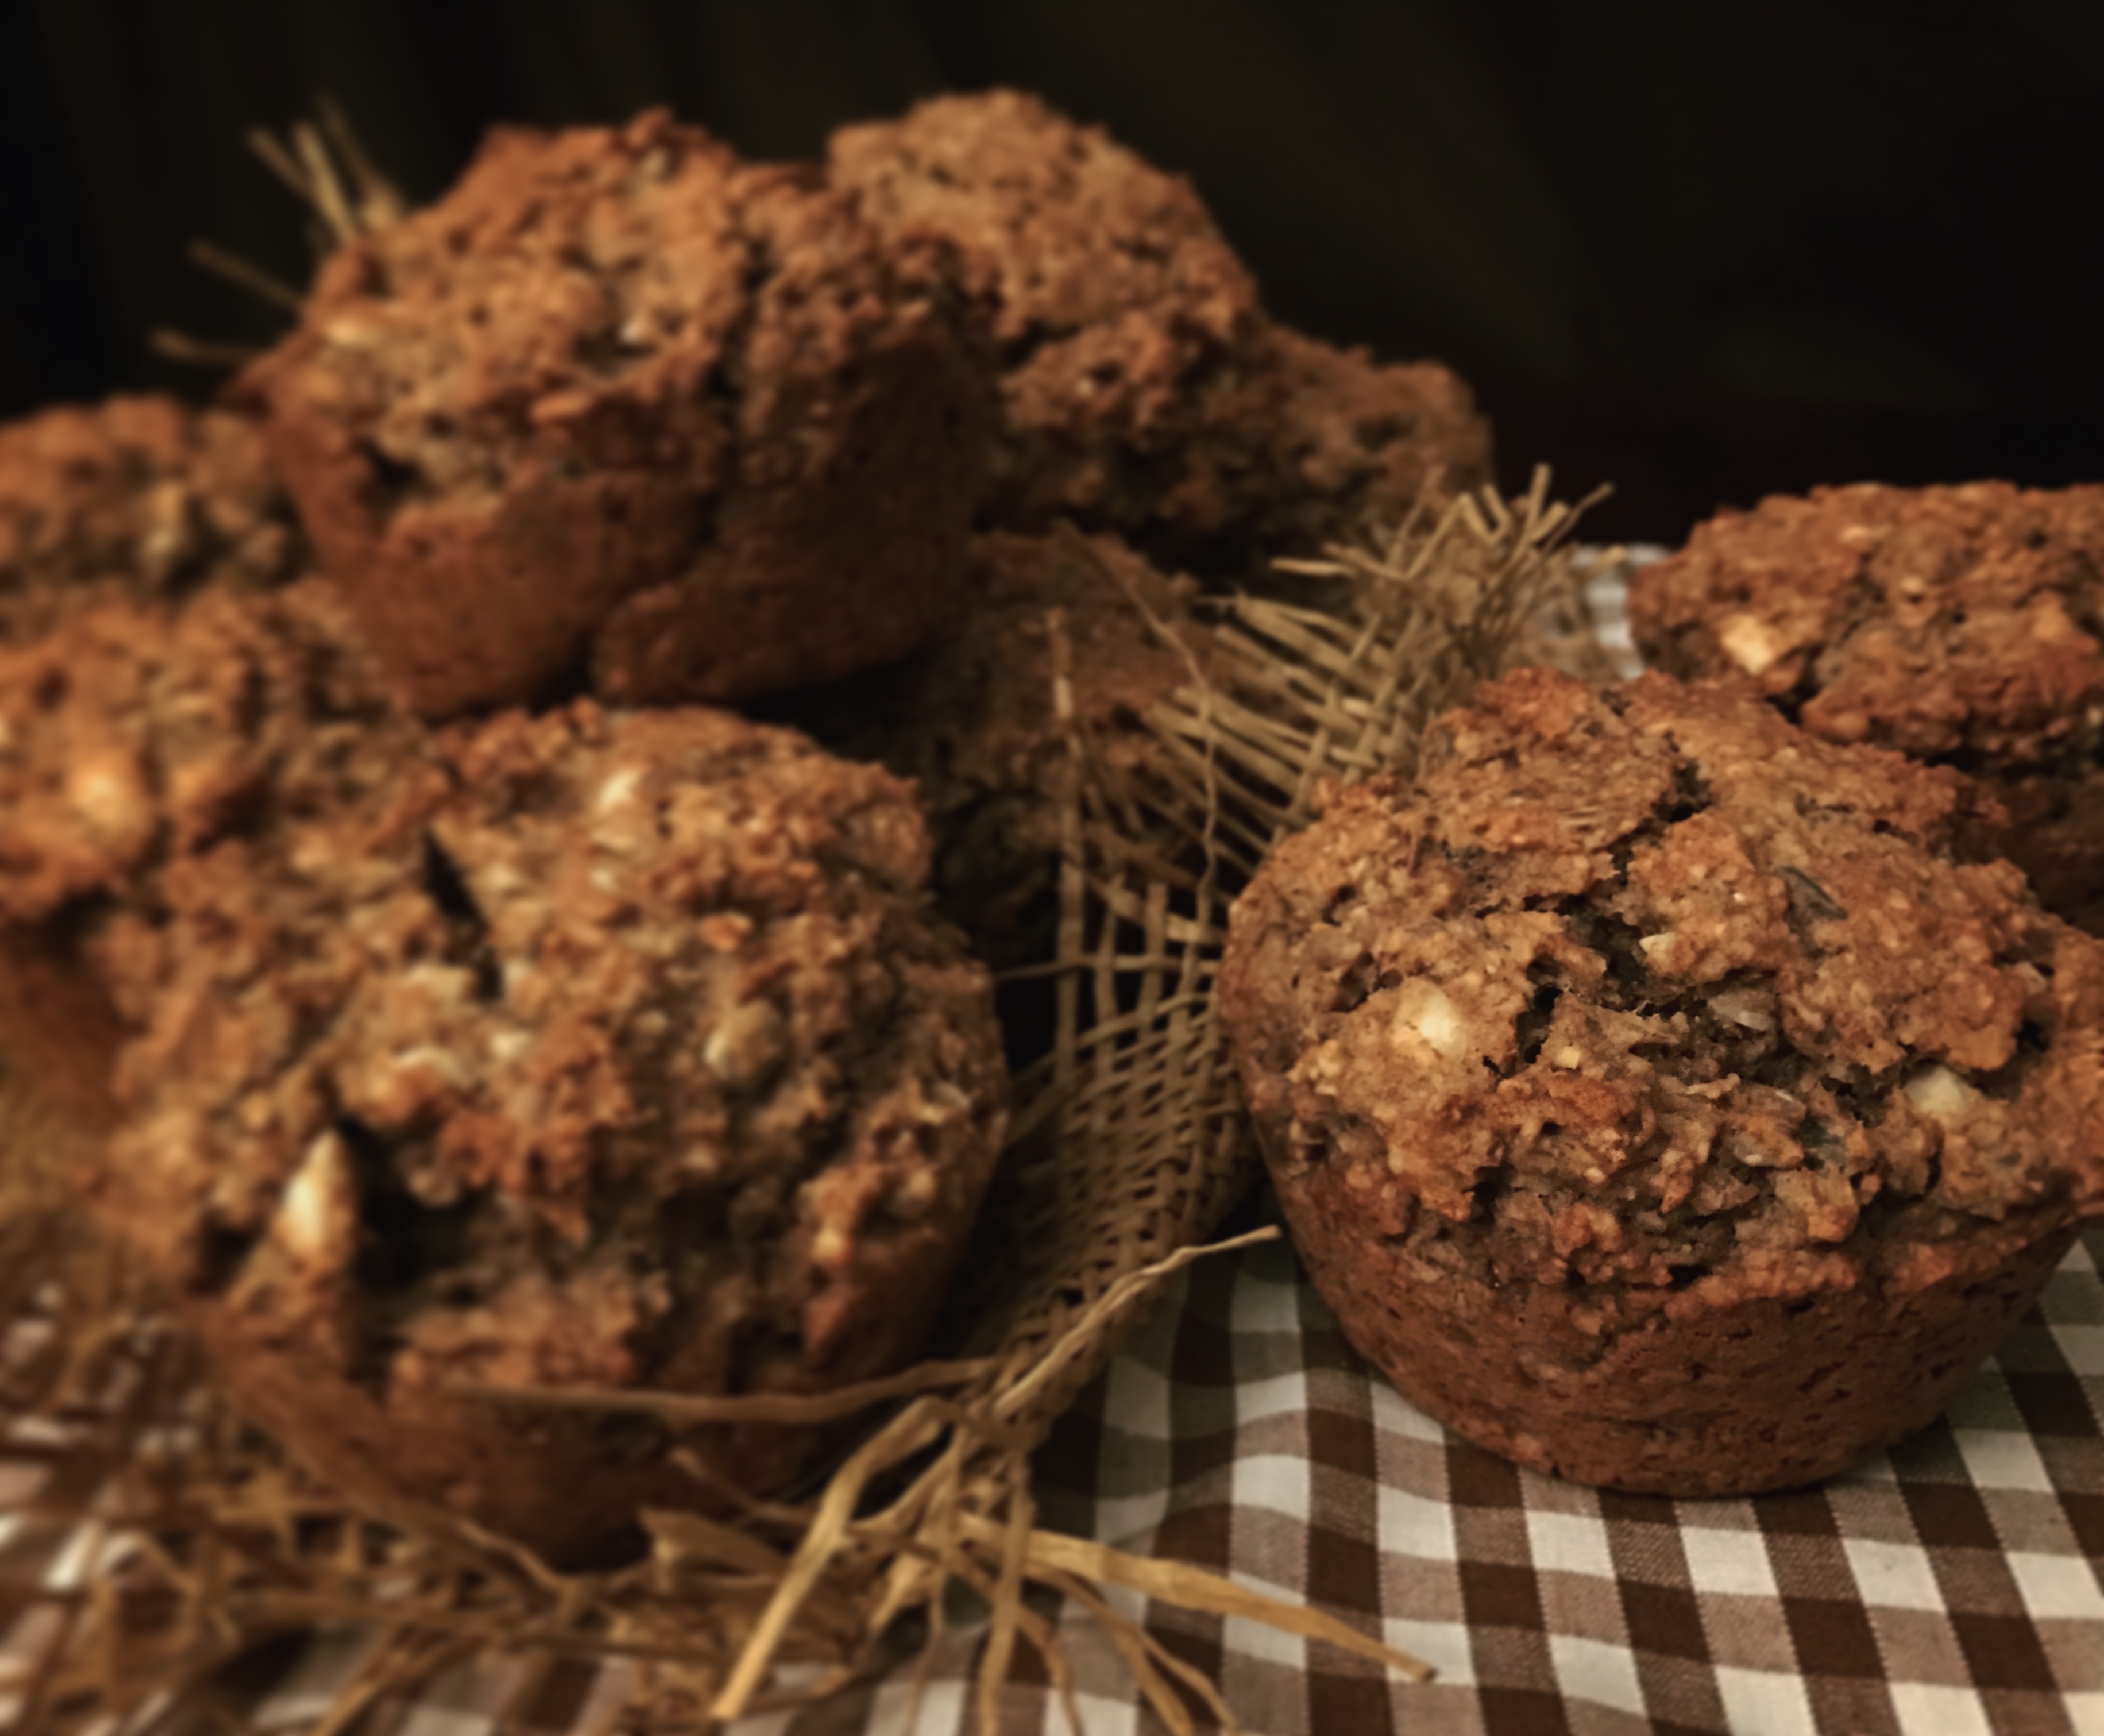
(1660, 1095)
(1960, 625)
(133, 735)
(140, 496)
(1144, 390)
(974, 721)
(624, 410)
(610, 1051)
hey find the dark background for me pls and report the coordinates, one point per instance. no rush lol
(1703, 250)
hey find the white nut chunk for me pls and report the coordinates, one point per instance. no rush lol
(1749, 642)
(108, 790)
(1658, 949)
(317, 1219)
(1749, 1008)
(1942, 1095)
(619, 788)
(1424, 1012)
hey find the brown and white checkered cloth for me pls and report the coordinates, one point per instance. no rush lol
(1949, 1588)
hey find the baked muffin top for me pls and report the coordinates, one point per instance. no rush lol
(1145, 391)
(562, 270)
(612, 401)
(142, 496)
(134, 735)
(1096, 256)
(1643, 985)
(974, 718)
(1944, 622)
(628, 1050)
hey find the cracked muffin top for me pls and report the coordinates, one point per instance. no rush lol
(621, 405)
(1644, 986)
(584, 1047)
(1949, 622)
(142, 496)
(624, 1051)
(1097, 256)
(1145, 391)
(132, 736)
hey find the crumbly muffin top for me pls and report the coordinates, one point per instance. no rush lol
(142, 495)
(597, 298)
(489, 326)
(1642, 985)
(1947, 623)
(1144, 390)
(632, 1054)
(1088, 244)
(1368, 436)
(624, 410)
(134, 734)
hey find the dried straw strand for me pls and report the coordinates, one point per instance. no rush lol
(322, 164)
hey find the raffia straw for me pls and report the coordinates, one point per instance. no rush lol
(323, 165)
(1188, 1587)
(789, 1407)
(253, 278)
(200, 352)
(378, 203)
(1130, 1146)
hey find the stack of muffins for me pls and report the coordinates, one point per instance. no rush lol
(1672, 1087)
(467, 1001)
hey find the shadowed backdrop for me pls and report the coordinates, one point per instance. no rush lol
(1703, 252)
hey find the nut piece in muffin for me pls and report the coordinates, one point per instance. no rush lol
(133, 735)
(1657, 1093)
(623, 406)
(973, 720)
(1960, 625)
(622, 1054)
(1145, 392)
(142, 496)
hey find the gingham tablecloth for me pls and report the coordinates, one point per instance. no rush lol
(1950, 1587)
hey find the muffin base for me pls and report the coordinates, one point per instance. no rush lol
(1668, 1392)
(569, 1484)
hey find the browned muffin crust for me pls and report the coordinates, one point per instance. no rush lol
(1145, 391)
(140, 496)
(135, 735)
(974, 720)
(621, 1052)
(1657, 1093)
(1964, 626)
(1360, 439)
(620, 402)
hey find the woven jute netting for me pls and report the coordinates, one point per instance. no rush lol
(197, 1541)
